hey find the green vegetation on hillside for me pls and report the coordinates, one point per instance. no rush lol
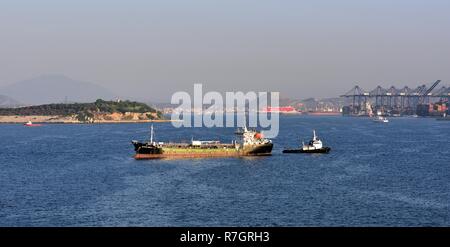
(122, 106)
(82, 110)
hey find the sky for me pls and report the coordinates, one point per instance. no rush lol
(152, 49)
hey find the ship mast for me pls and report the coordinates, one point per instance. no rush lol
(151, 134)
(246, 115)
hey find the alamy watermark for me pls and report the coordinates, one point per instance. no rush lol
(248, 109)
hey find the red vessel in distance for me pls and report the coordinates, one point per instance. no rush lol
(281, 109)
(30, 124)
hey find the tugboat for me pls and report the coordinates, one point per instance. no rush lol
(314, 146)
(250, 143)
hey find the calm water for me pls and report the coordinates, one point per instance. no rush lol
(395, 174)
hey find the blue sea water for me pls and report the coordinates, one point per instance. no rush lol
(395, 174)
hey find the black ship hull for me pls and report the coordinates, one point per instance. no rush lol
(313, 151)
(145, 148)
(262, 149)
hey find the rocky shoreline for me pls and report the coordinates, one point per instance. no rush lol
(71, 120)
(100, 111)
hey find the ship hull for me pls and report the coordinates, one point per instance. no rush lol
(312, 151)
(143, 152)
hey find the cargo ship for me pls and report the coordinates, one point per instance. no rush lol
(249, 143)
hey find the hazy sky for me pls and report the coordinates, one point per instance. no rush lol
(300, 48)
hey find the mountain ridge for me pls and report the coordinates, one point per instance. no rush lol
(54, 88)
(8, 102)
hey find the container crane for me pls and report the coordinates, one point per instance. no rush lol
(427, 92)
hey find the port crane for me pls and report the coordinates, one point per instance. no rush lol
(405, 100)
(427, 92)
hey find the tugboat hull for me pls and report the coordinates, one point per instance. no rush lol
(311, 151)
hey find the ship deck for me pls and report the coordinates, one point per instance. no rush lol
(190, 146)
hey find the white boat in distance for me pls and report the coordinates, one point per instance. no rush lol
(381, 119)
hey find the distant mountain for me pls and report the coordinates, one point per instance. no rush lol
(296, 103)
(8, 102)
(55, 89)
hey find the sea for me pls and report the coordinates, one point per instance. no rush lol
(377, 174)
